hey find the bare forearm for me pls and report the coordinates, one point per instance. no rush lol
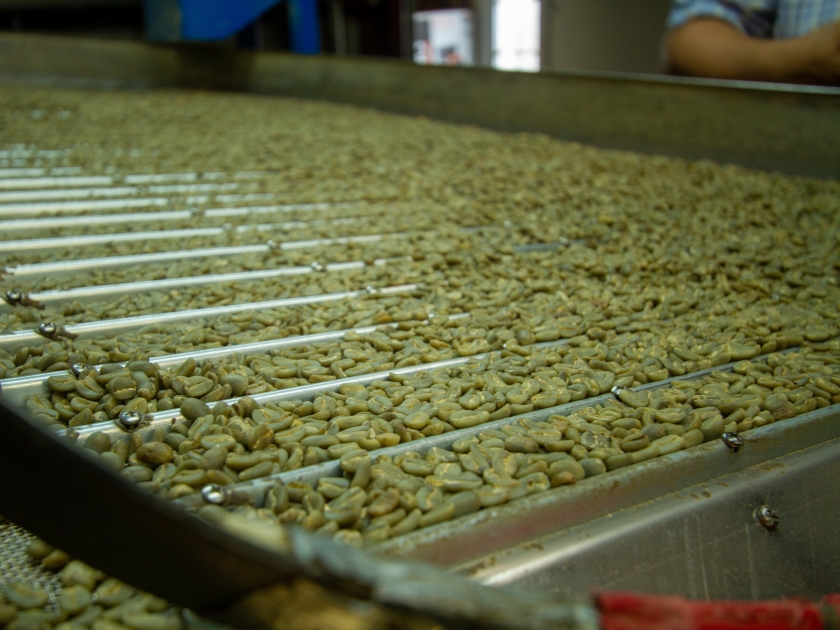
(715, 49)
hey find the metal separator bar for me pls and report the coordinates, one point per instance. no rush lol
(55, 207)
(129, 324)
(58, 207)
(66, 267)
(68, 193)
(21, 172)
(289, 207)
(25, 245)
(19, 183)
(30, 153)
(55, 171)
(63, 267)
(15, 391)
(311, 474)
(162, 178)
(48, 223)
(156, 217)
(117, 191)
(94, 293)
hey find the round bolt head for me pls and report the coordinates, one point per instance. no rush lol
(78, 368)
(733, 441)
(616, 391)
(316, 266)
(129, 419)
(13, 296)
(371, 290)
(271, 244)
(213, 494)
(766, 517)
(48, 329)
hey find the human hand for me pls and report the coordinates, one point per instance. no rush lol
(821, 55)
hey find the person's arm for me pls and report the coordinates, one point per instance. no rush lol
(709, 47)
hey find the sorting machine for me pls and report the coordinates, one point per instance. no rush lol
(747, 517)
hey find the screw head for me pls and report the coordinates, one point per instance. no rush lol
(14, 296)
(129, 419)
(214, 494)
(271, 244)
(766, 517)
(371, 290)
(78, 368)
(733, 441)
(316, 266)
(48, 329)
(616, 391)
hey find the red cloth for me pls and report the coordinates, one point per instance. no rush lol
(635, 611)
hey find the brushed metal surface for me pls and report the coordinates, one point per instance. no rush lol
(701, 542)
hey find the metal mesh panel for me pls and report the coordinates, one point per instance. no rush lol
(15, 563)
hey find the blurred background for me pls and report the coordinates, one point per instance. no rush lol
(524, 35)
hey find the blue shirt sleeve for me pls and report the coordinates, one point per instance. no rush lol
(753, 17)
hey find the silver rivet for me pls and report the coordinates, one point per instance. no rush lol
(214, 494)
(371, 290)
(766, 517)
(227, 226)
(196, 212)
(13, 296)
(271, 244)
(78, 368)
(129, 419)
(316, 266)
(48, 329)
(616, 391)
(733, 441)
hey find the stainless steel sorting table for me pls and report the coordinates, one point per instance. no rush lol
(682, 523)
